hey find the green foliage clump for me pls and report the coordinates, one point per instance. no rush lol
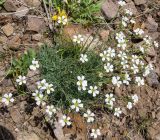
(1, 3)
(20, 65)
(84, 11)
(60, 65)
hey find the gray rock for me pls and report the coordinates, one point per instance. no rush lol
(14, 42)
(8, 29)
(131, 6)
(36, 37)
(35, 24)
(16, 116)
(104, 34)
(27, 136)
(109, 9)
(151, 25)
(11, 5)
(139, 2)
(157, 137)
(151, 52)
(3, 39)
(21, 11)
(33, 3)
(152, 79)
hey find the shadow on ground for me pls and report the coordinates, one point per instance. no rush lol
(5, 134)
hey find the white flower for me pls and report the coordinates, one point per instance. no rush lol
(50, 110)
(141, 63)
(128, 12)
(122, 55)
(108, 54)
(132, 21)
(121, 3)
(120, 37)
(109, 100)
(65, 121)
(42, 84)
(49, 88)
(34, 65)
(39, 97)
(122, 45)
(89, 115)
(78, 39)
(127, 79)
(148, 40)
(62, 20)
(138, 31)
(141, 49)
(82, 83)
(95, 133)
(104, 56)
(139, 81)
(36, 93)
(135, 98)
(148, 68)
(21, 80)
(135, 59)
(76, 104)
(108, 67)
(116, 81)
(129, 105)
(66, 1)
(124, 64)
(117, 112)
(156, 44)
(7, 98)
(111, 52)
(83, 58)
(124, 21)
(93, 90)
(135, 69)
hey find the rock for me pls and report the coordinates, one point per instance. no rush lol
(139, 2)
(33, 3)
(142, 112)
(22, 11)
(109, 9)
(131, 6)
(5, 19)
(154, 131)
(157, 137)
(8, 29)
(14, 42)
(104, 35)
(35, 24)
(158, 115)
(27, 136)
(3, 39)
(152, 79)
(154, 35)
(31, 81)
(16, 116)
(36, 37)
(151, 25)
(71, 30)
(11, 5)
(151, 52)
(58, 131)
(118, 92)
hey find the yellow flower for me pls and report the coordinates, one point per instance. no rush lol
(55, 17)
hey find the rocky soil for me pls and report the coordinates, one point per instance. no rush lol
(23, 25)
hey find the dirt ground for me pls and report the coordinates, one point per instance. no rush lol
(24, 121)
